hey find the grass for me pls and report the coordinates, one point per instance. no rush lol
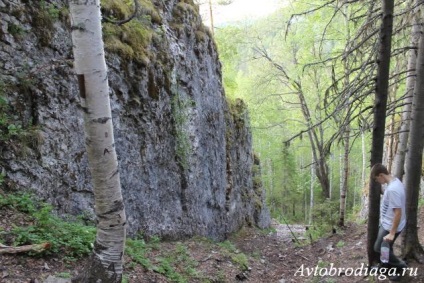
(237, 257)
(71, 240)
(340, 244)
(66, 236)
(175, 264)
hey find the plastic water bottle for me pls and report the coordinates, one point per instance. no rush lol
(384, 252)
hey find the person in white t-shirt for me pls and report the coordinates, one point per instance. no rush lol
(392, 211)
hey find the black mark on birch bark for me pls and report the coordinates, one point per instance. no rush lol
(101, 120)
(114, 174)
(81, 84)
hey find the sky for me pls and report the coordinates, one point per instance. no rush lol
(239, 10)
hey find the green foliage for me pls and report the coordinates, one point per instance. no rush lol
(272, 100)
(63, 275)
(15, 30)
(4, 117)
(185, 9)
(180, 106)
(354, 214)
(20, 202)
(43, 21)
(236, 256)
(340, 244)
(325, 214)
(71, 238)
(227, 245)
(2, 175)
(11, 129)
(137, 249)
(421, 202)
(51, 10)
(267, 231)
(166, 268)
(176, 262)
(228, 41)
(314, 233)
(131, 40)
(241, 260)
(177, 265)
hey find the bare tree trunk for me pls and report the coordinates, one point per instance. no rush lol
(106, 264)
(211, 17)
(354, 191)
(340, 171)
(319, 152)
(391, 140)
(344, 188)
(411, 247)
(268, 165)
(364, 159)
(331, 176)
(311, 199)
(305, 194)
(364, 196)
(399, 160)
(392, 137)
(346, 132)
(380, 106)
(320, 149)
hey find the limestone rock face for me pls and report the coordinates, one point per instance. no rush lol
(185, 153)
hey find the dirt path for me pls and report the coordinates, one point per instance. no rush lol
(272, 257)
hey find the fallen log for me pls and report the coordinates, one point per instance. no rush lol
(22, 249)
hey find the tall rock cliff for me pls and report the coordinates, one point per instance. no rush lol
(185, 153)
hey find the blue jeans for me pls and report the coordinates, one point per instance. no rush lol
(393, 260)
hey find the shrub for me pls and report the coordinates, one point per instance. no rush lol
(71, 238)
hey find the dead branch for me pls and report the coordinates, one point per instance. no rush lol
(22, 249)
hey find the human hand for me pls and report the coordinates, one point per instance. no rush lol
(389, 237)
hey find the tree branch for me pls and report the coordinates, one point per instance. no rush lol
(119, 23)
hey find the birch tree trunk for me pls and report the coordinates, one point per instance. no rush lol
(107, 258)
(330, 176)
(319, 151)
(364, 159)
(311, 199)
(399, 159)
(211, 17)
(392, 138)
(410, 244)
(364, 196)
(346, 132)
(345, 174)
(380, 107)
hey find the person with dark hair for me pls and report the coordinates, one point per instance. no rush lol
(392, 212)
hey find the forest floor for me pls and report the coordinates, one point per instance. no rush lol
(251, 255)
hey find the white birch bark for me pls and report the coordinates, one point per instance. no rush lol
(345, 176)
(364, 159)
(311, 199)
(331, 174)
(399, 159)
(211, 17)
(364, 197)
(90, 67)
